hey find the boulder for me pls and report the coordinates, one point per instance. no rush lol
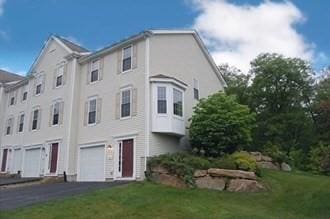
(266, 158)
(267, 165)
(200, 173)
(209, 182)
(168, 180)
(159, 169)
(231, 173)
(256, 155)
(243, 185)
(285, 167)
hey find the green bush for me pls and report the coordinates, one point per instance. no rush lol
(274, 152)
(220, 126)
(319, 159)
(226, 162)
(244, 161)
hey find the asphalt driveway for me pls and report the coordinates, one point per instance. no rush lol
(24, 196)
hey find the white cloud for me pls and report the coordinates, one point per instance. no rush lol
(236, 34)
(2, 3)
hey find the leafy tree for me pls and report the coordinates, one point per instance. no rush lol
(322, 108)
(280, 95)
(220, 125)
(237, 83)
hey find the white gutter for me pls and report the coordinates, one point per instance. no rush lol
(147, 101)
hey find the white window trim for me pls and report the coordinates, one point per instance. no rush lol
(57, 75)
(130, 99)
(194, 79)
(11, 125)
(23, 95)
(54, 103)
(167, 100)
(35, 130)
(91, 69)
(88, 108)
(122, 59)
(183, 114)
(19, 123)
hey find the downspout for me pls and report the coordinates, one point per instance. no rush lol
(147, 102)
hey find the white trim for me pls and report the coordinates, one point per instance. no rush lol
(168, 80)
(88, 108)
(115, 172)
(48, 162)
(91, 68)
(122, 59)
(125, 136)
(130, 88)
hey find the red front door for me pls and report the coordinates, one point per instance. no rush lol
(128, 153)
(4, 160)
(53, 157)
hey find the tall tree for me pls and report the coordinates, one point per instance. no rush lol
(280, 95)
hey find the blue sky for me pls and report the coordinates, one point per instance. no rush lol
(296, 28)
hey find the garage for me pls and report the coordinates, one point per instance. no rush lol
(91, 163)
(17, 160)
(32, 163)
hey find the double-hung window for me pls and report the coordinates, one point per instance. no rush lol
(196, 89)
(177, 102)
(56, 113)
(9, 126)
(127, 58)
(125, 103)
(92, 112)
(59, 76)
(24, 96)
(38, 89)
(94, 76)
(35, 117)
(21, 123)
(161, 100)
(12, 101)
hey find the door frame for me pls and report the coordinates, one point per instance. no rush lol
(91, 145)
(116, 160)
(49, 157)
(7, 159)
(14, 154)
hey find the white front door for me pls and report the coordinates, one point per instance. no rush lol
(32, 163)
(92, 163)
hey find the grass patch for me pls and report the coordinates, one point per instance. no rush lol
(292, 195)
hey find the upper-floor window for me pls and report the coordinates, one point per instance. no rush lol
(196, 89)
(95, 70)
(9, 126)
(177, 102)
(56, 113)
(12, 101)
(127, 58)
(125, 103)
(161, 100)
(92, 111)
(39, 84)
(59, 76)
(35, 118)
(21, 123)
(24, 97)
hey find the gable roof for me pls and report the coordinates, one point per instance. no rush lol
(73, 46)
(150, 33)
(6, 77)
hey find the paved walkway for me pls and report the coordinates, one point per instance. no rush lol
(13, 198)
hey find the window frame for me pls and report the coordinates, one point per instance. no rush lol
(24, 96)
(12, 101)
(88, 111)
(122, 59)
(58, 114)
(182, 104)
(59, 75)
(21, 123)
(165, 99)
(37, 120)
(130, 102)
(38, 93)
(196, 88)
(9, 126)
(91, 70)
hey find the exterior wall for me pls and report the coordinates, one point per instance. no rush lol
(53, 55)
(181, 57)
(110, 129)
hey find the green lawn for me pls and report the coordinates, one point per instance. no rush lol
(292, 195)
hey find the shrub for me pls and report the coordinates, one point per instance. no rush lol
(274, 152)
(244, 161)
(319, 158)
(226, 162)
(220, 126)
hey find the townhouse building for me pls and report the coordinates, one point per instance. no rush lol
(99, 115)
